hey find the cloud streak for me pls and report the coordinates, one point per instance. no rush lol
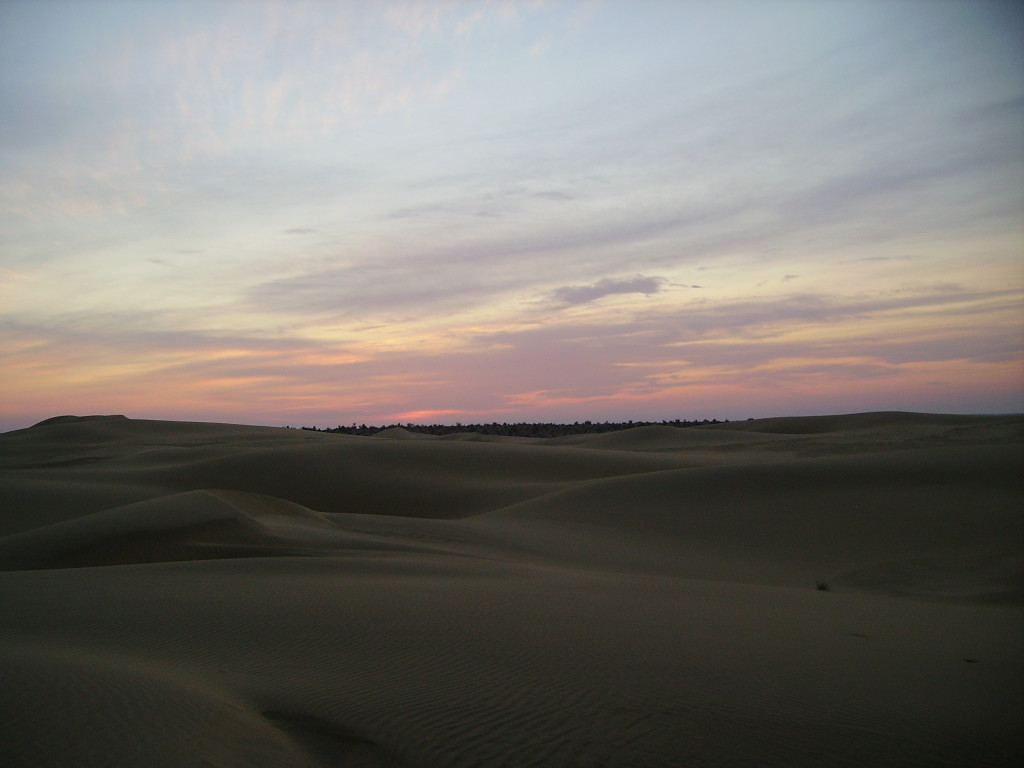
(570, 295)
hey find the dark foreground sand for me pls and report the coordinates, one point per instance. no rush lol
(179, 594)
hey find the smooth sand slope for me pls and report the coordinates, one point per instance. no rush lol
(183, 594)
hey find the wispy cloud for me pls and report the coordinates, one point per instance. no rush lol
(393, 290)
(570, 295)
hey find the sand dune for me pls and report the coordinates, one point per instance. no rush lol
(664, 438)
(223, 595)
(889, 422)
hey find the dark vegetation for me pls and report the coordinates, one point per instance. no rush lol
(520, 429)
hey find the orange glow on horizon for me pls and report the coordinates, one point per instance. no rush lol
(424, 414)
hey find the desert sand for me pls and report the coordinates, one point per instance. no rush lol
(828, 591)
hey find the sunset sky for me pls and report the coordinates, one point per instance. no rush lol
(335, 212)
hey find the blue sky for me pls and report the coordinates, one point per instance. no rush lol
(325, 212)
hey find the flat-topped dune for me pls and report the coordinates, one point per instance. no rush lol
(813, 591)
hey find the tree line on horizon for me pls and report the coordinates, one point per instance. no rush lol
(516, 429)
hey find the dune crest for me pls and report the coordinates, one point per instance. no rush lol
(73, 419)
(816, 591)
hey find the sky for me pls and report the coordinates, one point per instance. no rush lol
(320, 213)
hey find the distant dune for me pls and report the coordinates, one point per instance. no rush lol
(815, 591)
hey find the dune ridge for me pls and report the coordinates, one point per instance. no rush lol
(814, 591)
